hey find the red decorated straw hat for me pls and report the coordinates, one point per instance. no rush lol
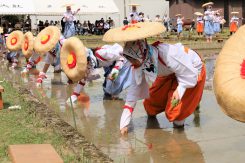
(47, 39)
(73, 59)
(134, 32)
(14, 40)
(28, 45)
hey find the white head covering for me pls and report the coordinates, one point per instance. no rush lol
(92, 59)
(136, 49)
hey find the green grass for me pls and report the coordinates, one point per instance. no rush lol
(187, 38)
(22, 127)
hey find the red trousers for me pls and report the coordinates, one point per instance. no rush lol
(161, 93)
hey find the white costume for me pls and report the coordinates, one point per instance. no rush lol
(109, 57)
(53, 58)
(135, 17)
(217, 20)
(31, 62)
(200, 19)
(69, 19)
(235, 19)
(172, 59)
(13, 57)
(179, 25)
(209, 26)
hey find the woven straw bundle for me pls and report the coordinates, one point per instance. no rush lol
(229, 76)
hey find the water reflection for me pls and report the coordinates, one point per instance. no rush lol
(196, 119)
(170, 147)
(98, 121)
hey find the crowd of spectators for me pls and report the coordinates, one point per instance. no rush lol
(99, 27)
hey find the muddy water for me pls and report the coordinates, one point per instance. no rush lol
(209, 135)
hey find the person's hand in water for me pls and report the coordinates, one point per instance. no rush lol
(125, 119)
(114, 74)
(124, 131)
(175, 99)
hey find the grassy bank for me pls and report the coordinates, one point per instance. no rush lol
(23, 127)
(190, 39)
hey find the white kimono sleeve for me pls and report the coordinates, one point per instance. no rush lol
(120, 62)
(181, 64)
(111, 52)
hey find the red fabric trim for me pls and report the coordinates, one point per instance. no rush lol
(100, 57)
(131, 109)
(28, 68)
(39, 80)
(76, 94)
(97, 48)
(42, 76)
(155, 44)
(60, 42)
(116, 67)
(160, 59)
(81, 83)
(38, 60)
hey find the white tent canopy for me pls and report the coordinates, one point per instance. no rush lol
(56, 7)
(16, 7)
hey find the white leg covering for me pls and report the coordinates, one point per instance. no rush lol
(77, 90)
(179, 123)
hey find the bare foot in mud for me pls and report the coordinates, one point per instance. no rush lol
(124, 131)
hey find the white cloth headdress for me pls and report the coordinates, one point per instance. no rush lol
(140, 51)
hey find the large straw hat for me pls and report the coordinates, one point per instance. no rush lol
(47, 39)
(134, 4)
(198, 14)
(27, 45)
(178, 15)
(68, 5)
(207, 4)
(14, 40)
(133, 32)
(235, 12)
(73, 59)
(229, 76)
